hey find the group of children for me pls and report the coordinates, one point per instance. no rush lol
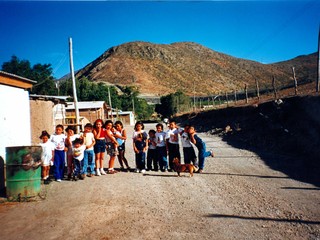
(84, 153)
(159, 148)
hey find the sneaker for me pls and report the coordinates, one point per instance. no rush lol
(143, 171)
(98, 173)
(102, 171)
(137, 170)
(166, 170)
(212, 155)
(58, 180)
(82, 176)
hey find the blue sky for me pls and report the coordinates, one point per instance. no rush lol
(263, 31)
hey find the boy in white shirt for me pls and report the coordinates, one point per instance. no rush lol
(78, 149)
(172, 138)
(161, 148)
(88, 159)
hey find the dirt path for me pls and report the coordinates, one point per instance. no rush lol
(238, 197)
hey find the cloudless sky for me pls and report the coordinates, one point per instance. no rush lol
(263, 31)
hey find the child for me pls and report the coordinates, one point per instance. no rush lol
(172, 139)
(161, 148)
(112, 146)
(78, 149)
(140, 146)
(203, 153)
(189, 154)
(89, 142)
(100, 146)
(58, 139)
(70, 138)
(152, 151)
(46, 155)
(121, 136)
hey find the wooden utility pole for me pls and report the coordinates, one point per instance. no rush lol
(295, 82)
(75, 99)
(110, 103)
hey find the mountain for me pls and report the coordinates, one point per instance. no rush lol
(159, 69)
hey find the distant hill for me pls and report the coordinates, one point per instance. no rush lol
(159, 69)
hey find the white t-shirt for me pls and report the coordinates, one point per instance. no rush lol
(78, 153)
(161, 139)
(58, 141)
(185, 140)
(152, 141)
(173, 136)
(88, 140)
(46, 154)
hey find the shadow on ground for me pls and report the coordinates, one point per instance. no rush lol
(286, 135)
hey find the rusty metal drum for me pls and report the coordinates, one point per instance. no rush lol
(23, 171)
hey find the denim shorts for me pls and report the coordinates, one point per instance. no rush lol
(111, 149)
(100, 146)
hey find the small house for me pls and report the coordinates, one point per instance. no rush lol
(15, 124)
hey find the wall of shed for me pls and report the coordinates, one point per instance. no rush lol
(41, 118)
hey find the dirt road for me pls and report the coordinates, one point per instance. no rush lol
(237, 197)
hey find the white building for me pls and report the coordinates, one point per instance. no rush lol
(14, 111)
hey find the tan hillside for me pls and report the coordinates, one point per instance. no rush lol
(159, 69)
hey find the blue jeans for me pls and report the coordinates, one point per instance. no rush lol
(141, 160)
(77, 167)
(162, 157)
(88, 161)
(152, 158)
(190, 156)
(59, 162)
(203, 153)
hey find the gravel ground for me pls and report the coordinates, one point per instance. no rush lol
(237, 197)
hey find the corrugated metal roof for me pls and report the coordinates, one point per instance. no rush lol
(16, 76)
(86, 105)
(47, 97)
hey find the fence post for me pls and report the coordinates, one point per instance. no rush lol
(246, 91)
(295, 82)
(274, 88)
(258, 91)
(227, 99)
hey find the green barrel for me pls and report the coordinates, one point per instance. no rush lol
(23, 171)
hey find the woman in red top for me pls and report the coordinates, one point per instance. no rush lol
(100, 146)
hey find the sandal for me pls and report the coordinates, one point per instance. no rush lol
(112, 171)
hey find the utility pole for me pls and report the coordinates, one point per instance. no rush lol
(75, 99)
(110, 103)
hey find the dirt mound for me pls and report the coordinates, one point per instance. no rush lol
(285, 134)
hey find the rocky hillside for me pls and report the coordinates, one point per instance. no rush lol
(159, 69)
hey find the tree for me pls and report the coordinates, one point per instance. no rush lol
(172, 104)
(41, 73)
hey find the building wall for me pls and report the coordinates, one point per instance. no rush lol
(90, 115)
(14, 118)
(41, 114)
